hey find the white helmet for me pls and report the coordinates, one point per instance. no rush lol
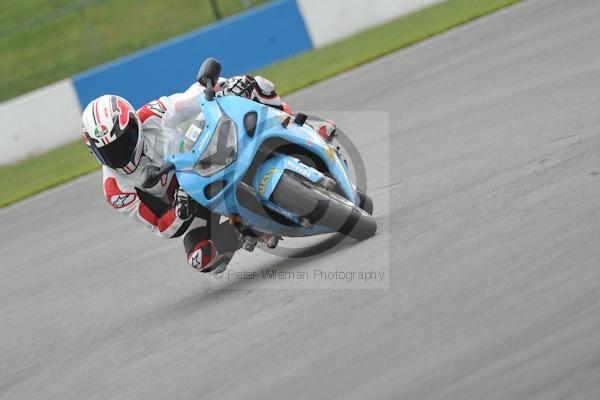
(112, 131)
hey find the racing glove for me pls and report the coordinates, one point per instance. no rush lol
(238, 86)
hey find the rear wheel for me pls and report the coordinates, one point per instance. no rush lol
(366, 203)
(322, 207)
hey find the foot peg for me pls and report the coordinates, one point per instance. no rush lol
(305, 222)
(271, 241)
(249, 243)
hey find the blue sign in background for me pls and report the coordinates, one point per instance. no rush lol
(242, 43)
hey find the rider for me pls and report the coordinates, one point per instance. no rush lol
(129, 142)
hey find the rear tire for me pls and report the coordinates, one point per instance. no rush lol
(366, 203)
(322, 207)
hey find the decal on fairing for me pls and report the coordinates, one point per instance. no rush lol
(299, 170)
(328, 151)
(264, 180)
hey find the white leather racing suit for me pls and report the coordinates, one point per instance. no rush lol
(155, 207)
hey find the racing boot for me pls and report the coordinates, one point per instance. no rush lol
(211, 250)
(325, 129)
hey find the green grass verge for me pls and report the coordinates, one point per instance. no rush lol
(41, 172)
(44, 41)
(37, 173)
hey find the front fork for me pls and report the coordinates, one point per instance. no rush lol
(271, 171)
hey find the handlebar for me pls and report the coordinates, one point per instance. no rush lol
(209, 92)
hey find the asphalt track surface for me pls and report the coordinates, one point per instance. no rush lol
(491, 238)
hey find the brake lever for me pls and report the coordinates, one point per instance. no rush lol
(154, 174)
(249, 88)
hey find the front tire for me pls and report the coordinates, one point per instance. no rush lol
(322, 207)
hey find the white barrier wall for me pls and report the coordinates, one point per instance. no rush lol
(330, 20)
(39, 121)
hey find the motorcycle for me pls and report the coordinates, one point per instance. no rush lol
(270, 172)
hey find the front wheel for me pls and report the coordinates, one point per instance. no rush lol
(322, 207)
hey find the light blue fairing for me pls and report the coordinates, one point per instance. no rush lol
(268, 174)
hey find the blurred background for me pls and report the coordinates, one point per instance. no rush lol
(44, 41)
(59, 55)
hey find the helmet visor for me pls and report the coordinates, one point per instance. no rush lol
(120, 152)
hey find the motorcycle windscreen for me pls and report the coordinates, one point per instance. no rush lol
(221, 150)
